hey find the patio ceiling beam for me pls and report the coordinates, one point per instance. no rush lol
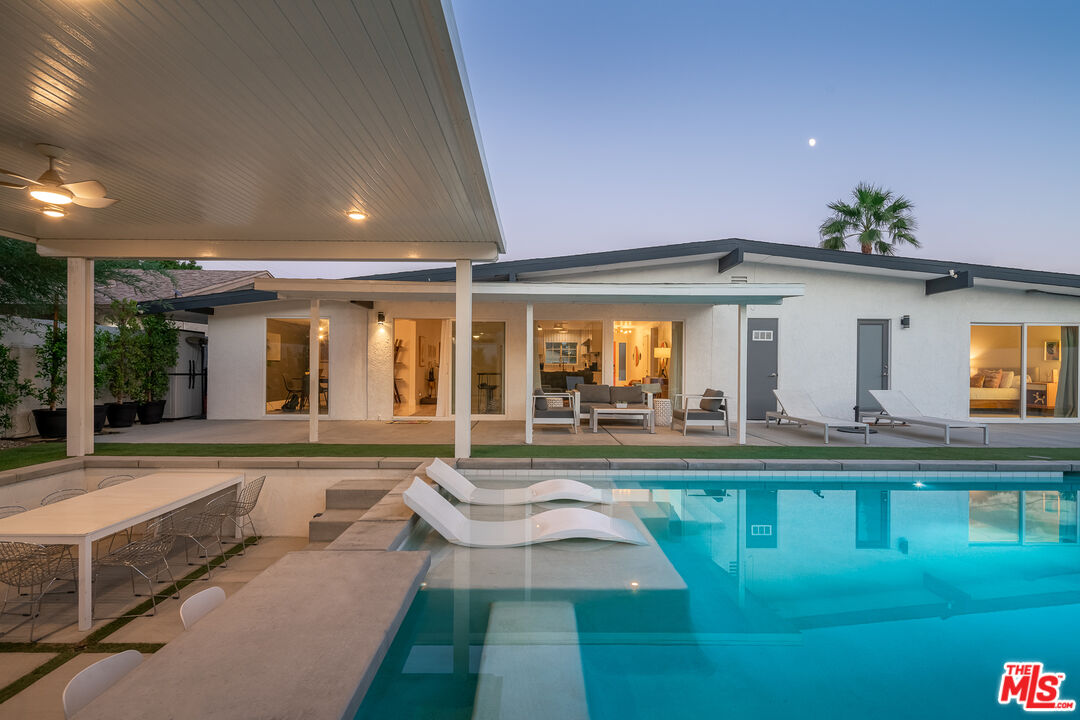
(305, 249)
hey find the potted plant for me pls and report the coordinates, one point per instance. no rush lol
(121, 363)
(52, 376)
(157, 356)
(12, 388)
(101, 375)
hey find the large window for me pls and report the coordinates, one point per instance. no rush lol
(488, 368)
(1023, 371)
(567, 354)
(1022, 516)
(287, 372)
(649, 352)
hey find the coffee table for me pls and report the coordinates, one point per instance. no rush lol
(648, 417)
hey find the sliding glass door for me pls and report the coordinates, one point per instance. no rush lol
(1023, 371)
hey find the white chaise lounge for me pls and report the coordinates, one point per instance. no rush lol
(898, 409)
(558, 524)
(544, 491)
(797, 407)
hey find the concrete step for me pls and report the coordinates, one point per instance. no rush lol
(357, 494)
(331, 523)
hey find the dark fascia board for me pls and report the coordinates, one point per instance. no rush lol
(198, 303)
(732, 259)
(962, 281)
(493, 271)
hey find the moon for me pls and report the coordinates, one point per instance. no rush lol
(812, 142)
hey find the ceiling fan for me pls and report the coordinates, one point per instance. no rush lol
(50, 188)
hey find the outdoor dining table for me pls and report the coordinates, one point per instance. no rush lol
(81, 520)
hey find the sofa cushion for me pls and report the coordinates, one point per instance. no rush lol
(595, 393)
(631, 394)
(561, 413)
(712, 405)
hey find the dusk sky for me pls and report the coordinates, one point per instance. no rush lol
(621, 124)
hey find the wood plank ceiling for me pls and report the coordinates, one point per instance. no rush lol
(246, 129)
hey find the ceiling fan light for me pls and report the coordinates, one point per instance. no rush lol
(49, 194)
(53, 211)
(355, 215)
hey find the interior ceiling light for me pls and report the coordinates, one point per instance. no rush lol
(53, 211)
(355, 215)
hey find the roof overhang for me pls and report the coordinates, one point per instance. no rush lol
(524, 292)
(245, 130)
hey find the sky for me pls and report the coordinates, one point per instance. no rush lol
(611, 124)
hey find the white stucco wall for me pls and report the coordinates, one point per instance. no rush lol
(236, 359)
(817, 337)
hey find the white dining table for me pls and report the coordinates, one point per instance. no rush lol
(83, 519)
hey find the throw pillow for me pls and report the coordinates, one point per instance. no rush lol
(977, 380)
(710, 405)
(993, 379)
(1007, 379)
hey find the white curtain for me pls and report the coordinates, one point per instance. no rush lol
(444, 391)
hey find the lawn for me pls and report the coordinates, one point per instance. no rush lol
(44, 452)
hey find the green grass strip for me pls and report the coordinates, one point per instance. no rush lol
(12, 458)
(13, 689)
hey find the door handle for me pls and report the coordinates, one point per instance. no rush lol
(772, 374)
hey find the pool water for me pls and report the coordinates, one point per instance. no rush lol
(837, 602)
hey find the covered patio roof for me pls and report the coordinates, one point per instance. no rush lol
(246, 130)
(524, 292)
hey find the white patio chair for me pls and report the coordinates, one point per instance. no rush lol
(96, 679)
(544, 491)
(558, 524)
(896, 409)
(199, 605)
(797, 407)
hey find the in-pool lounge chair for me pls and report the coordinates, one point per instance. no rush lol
(797, 407)
(544, 491)
(898, 409)
(558, 524)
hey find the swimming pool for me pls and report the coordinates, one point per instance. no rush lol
(810, 596)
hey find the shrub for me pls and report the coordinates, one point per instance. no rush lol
(12, 389)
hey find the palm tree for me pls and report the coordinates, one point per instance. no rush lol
(878, 220)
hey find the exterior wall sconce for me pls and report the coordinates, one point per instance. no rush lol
(382, 317)
(905, 322)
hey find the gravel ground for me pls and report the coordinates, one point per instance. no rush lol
(9, 444)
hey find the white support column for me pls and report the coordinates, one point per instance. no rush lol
(530, 331)
(80, 357)
(463, 360)
(313, 374)
(742, 374)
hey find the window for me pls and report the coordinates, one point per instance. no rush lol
(1049, 516)
(560, 353)
(287, 371)
(995, 370)
(1025, 371)
(1051, 371)
(649, 352)
(567, 354)
(993, 516)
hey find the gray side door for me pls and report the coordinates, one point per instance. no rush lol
(762, 336)
(872, 369)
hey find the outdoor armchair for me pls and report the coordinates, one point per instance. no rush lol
(708, 409)
(569, 414)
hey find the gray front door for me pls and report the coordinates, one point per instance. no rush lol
(872, 370)
(762, 335)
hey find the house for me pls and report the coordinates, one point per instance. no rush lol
(962, 340)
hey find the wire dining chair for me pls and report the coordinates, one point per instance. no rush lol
(147, 557)
(196, 528)
(239, 510)
(9, 510)
(55, 497)
(114, 480)
(26, 565)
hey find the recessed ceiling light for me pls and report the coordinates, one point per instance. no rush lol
(355, 215)
(51, 194)
(53, 211)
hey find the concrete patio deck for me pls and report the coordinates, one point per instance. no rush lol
(510, 432)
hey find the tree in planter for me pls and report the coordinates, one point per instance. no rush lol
(52, 376)
(157, 355)
(12, 388)
(122, 352)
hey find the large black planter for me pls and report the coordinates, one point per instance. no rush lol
(150, 413)
(51, 423)
(121, 415)
(99, 418)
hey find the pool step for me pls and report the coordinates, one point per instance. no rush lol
(531, 664)
(346, 501)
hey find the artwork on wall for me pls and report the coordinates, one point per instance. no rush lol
(637, 356)
(1052, 350)
(273, 346)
